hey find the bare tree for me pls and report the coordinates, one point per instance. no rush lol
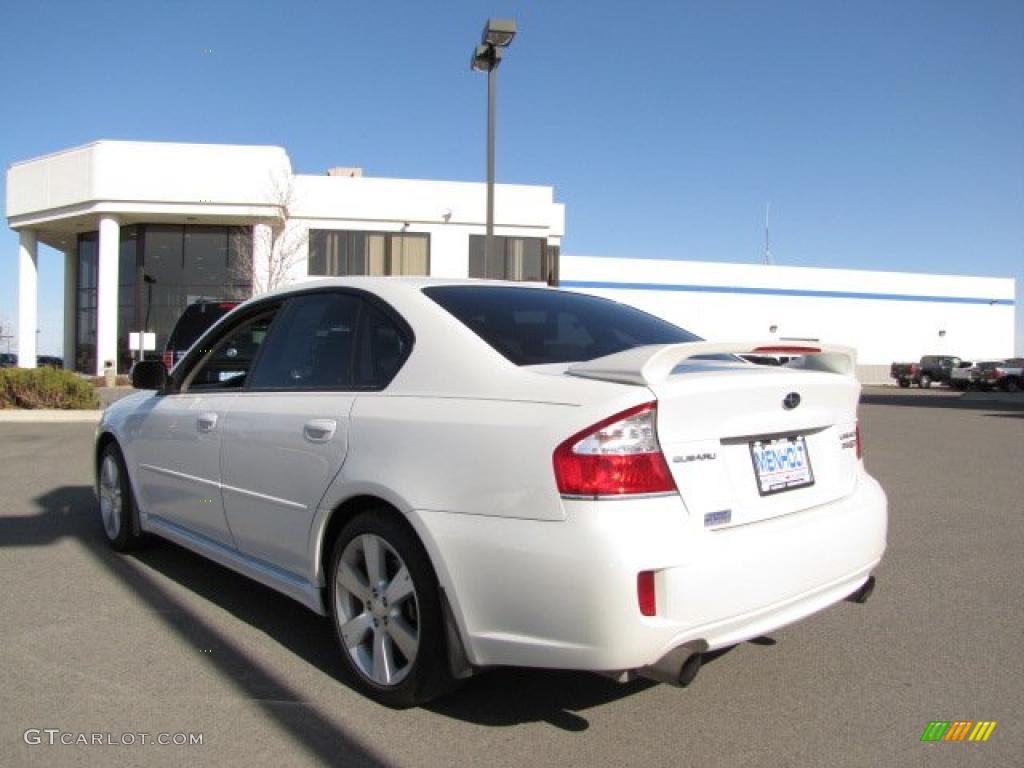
(270, 254)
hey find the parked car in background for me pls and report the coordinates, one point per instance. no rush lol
(470, 474)
(931, 369)
(1007, 375)
(193, 323)
(990, 374)
(964, 375)
(49, 361)
(8, 359)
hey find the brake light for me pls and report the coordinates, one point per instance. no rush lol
(646, 597)
(618, 456)
(227, 305)
(860, 445)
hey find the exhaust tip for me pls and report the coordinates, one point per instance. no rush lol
(688, 672)
(677, 667)
(861, 595)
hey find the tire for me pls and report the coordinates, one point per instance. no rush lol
(959, 385)
(924, 382)
(1012, 384)
(904, 383)
(116, 501)
(389, 628)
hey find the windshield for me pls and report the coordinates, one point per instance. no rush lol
(535, 326)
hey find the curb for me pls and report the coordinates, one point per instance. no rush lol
(46, 416)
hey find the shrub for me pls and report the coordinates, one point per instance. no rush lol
(45, 388)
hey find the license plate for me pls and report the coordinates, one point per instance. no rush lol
(781, 464)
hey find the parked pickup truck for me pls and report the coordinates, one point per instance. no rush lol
(931, 369)
(1007, 375)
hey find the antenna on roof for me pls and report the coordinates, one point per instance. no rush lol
(767, 242)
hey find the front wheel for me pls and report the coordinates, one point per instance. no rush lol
(117, 508)
(904, 383)
(1012, 384)
(387, 612)
(924, 382)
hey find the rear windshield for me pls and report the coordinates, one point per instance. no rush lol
(534, 326)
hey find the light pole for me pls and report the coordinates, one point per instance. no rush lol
(497, 34)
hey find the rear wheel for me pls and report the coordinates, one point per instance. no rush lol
(904, 383)
(387, 612)
(924, 382)
(117, 507)
(1012, 384)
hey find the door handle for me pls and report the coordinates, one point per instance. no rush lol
(206, 422)
(319, 430)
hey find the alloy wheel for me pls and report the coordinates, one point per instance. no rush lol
(110, 496)
(377, 610)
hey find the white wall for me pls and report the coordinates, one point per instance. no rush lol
(708, 298)
(139, 177)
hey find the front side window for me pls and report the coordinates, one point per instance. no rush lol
(352, 252)
(534, 326)
(227, 364)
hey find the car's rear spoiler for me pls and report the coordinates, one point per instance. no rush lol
(654, 363)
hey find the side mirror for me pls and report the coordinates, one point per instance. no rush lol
(149, 374)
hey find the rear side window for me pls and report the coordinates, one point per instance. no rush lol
(534, 326)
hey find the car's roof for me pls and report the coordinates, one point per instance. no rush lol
(392, 283)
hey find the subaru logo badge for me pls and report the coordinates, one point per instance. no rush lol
(791, 401)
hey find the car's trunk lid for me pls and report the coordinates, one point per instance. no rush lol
(746, 443)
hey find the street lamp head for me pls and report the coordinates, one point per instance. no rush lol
(482, 59)
(498, 32)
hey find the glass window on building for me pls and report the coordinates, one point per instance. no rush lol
(514, 258)
(353, 252)
(85, 302)
(162, 269)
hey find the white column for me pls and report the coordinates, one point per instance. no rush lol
(262, 243)
(106, 293)
(28, 297)
(70, 283)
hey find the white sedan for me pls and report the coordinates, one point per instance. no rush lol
(465, 474)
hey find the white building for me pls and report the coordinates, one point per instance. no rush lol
(885, 316)
(147, 228)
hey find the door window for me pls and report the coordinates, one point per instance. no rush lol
(314, 346)
(227, 364)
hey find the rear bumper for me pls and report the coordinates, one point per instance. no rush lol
(563, 594)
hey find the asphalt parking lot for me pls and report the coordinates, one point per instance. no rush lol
(163, 642)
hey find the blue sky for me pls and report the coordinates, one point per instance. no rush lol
(887, 135)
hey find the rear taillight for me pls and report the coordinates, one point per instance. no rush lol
(860, 445)
(618, 456)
